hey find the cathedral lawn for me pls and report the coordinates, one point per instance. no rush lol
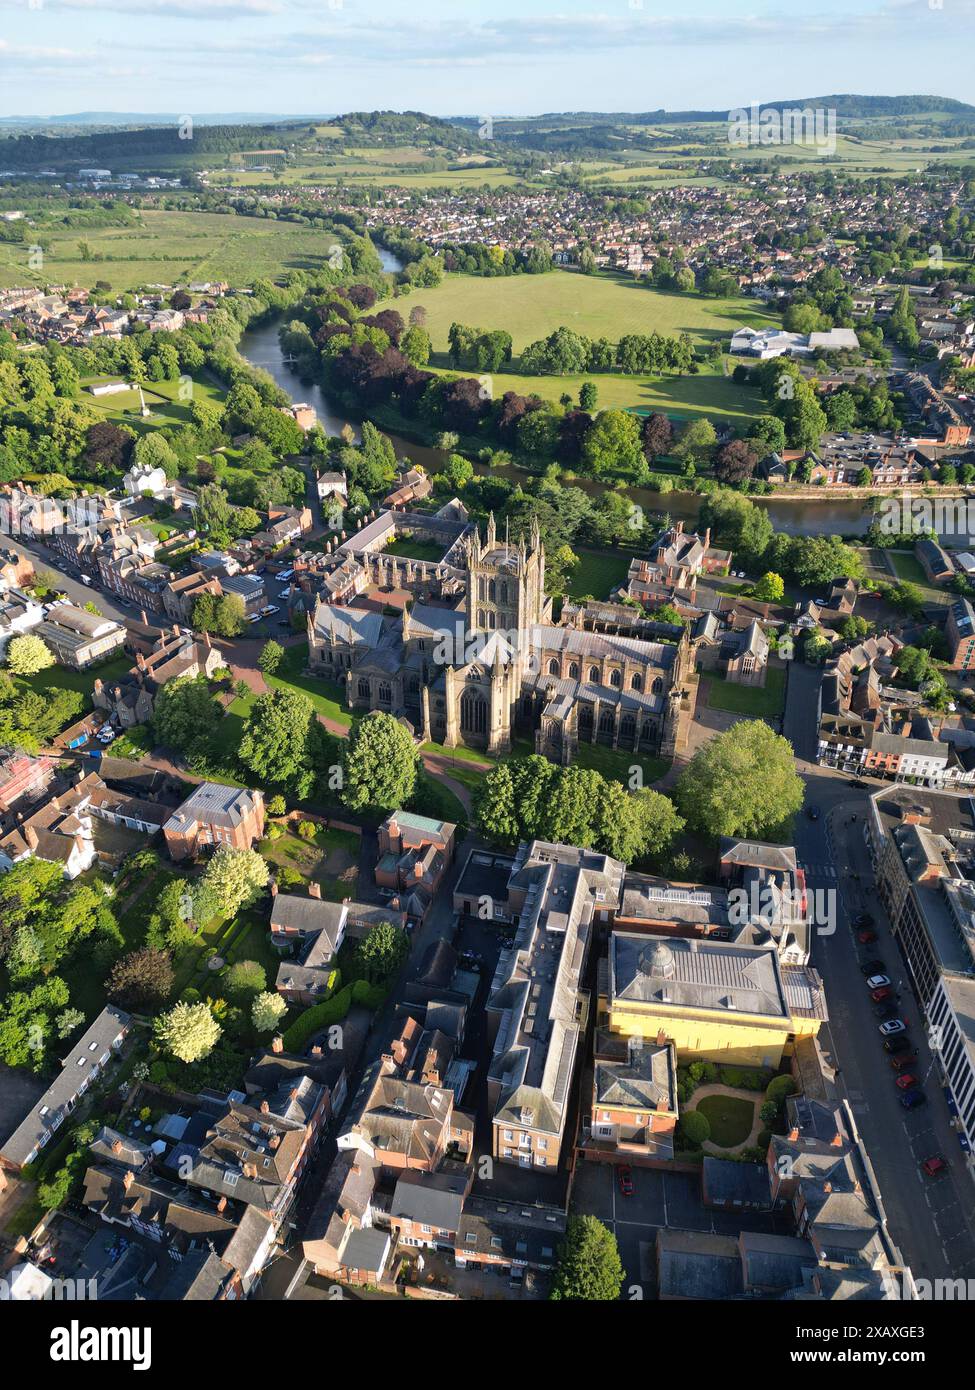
(598, 573)
(327, 697)
(760, 702)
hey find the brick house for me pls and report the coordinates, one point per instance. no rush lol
(214, 815)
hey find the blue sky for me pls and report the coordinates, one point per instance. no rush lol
(480, 57)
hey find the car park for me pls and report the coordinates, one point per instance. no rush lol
(912, 1099)
(878, 981)
(625, 1176)
(892, 1027)
(906, 1081)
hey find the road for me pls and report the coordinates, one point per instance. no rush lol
(930, 1220)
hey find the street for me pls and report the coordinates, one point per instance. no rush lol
(929, 1219)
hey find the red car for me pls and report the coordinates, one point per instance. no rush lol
(879, 995)
(866, 936)
(906, 1081)
(935, 1166)
(625, 1176)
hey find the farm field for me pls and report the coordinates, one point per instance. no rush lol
(168, 247)
(600, 306)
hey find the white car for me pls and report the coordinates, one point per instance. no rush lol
(106, 735)
(254, 618)
(266, 612)
(892, 1026)
(877, 982)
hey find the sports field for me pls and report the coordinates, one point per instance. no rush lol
(600, 306)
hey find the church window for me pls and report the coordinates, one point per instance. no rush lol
(574, 671)
(657, 686)
(606, 722)
(615, 679)
(553, 667)
(492, 591)
(636, 681)
(385, 693)
(594, 674)
(363, 689)
(473, 712)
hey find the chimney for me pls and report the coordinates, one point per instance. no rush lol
(116, 1146)
(314, 890)
(661, 1037)
(837, 1140)
(827, 1187)
(793, 1134)
(222, 1204)
(277, 1043)
(293, 1093)
(30, 835)
(274, 889)
(206, 638)
(265, 1108)
(140, 661)
(98, 685)
(316, 1051)
(142, 615)
(250, 1170)
(128, 1180)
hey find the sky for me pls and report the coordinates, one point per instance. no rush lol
(471, 57)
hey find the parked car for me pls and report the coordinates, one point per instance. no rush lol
(912, 1099)
(906, 1081)
(860, 784)
(878, 981)
(625, 1176)
(935, 1166)
(903, 1059)
(866, 936)
(812, 812)
(892, 1027)
(879, 995)
(871, 966)
(863, 919)
(895, 1045)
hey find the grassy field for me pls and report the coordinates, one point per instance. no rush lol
(166, 247)
(531, 306)
(598, 573)
(162, 398)
(415, 549)
(730, 1117)
(327, 697)
(759, 702)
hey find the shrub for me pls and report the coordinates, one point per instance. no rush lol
(277, 806)
(307, 830)
(273, 832)
(703, 1072)
(779, 1089)
(762, 1141)
(694, 1128)
(769, 1113)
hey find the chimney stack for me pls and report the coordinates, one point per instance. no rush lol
(116, 1146)
(222, 1204)
(314, 890)
(128, 1180)
(274, 889)
(265, 1108)
(277, 1043)
(30, 835)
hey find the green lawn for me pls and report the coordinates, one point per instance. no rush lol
(730, 1117)
(415, 549)
(66, 678)
(607, 305)
(598, 573)
(762, 702)
(615, 764)
(907, 566)
(164, 401)
(331, 859)
(328, 697)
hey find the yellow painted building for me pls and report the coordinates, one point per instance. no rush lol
(716, 1001)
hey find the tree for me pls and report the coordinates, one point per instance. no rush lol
(188, 1031)
(28, 654)
(735, 461)
(589, 1266)
(743, 782)
(245, 977)
(380, 764)
(657, 434)
(66, 1023)
(284, 743)
(588, 396)
(696, 444)
(141, 980)
(694, 1128)
(770, 588)
(235, 877)
(266, 1011)
(271, 657)
(186, 714)
(383, 951)
(612, 446)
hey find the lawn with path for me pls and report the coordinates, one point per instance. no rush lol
(756, 701)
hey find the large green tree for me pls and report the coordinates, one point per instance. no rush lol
(380, 765)
(589, 1266)
(743, 782)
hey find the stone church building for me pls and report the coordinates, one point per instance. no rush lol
(477, 659)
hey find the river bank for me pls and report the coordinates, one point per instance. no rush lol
(803, 512)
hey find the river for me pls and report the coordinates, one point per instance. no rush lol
(802, 517)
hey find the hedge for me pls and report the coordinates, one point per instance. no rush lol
(331, 1011)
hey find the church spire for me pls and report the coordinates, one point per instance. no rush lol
(490, 529)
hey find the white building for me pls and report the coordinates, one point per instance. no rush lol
(144, 481)
(778, 342)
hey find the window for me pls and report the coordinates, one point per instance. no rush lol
(636, 682)
(495, 1242)
(574, 670)
(615, 679)
(471, 1238)
(363, 689)
(594, 674)
(553, 667)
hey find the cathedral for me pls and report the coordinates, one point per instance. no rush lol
(475, 657)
